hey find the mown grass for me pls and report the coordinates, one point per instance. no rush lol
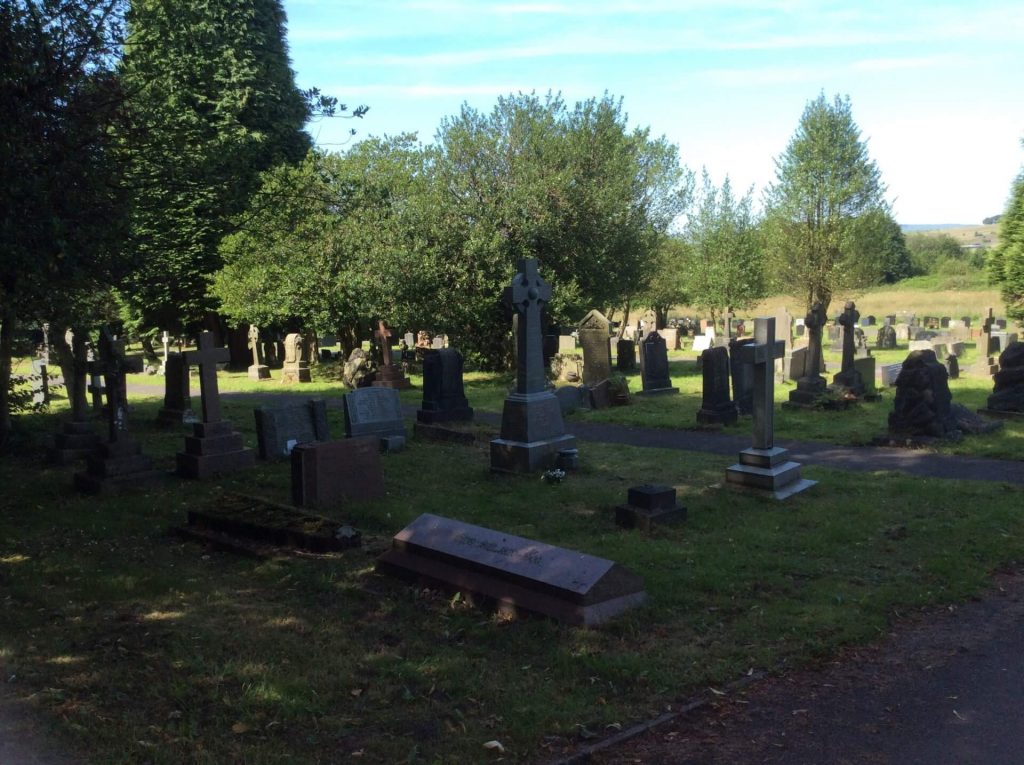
(143, 648)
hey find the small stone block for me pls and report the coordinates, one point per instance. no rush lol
(645, 519)
(389, 444)
(568, 459)
(652, 497)
(204, 466)
(763, 458)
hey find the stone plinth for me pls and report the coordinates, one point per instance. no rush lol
(767, 471)
(115, 467)
(213, 448)
(259, 372)
(532, 433)
(75, 441)
(648, 506)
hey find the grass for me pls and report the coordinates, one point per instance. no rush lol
(142, 648)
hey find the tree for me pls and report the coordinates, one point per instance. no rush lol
(929, 251)
(726, 267)
(61, 206)
(1006, 262)
(213, 104)
(668, 285)
(825, 184)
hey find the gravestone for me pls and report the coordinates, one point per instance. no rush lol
(702, 343)
(271, 356)
(444, 395)
(886, 338)
(214, 447)
(811, 386)
(865, 367)
(373, 412)
(518, 573)
(716, 407)
(566, 344)
(257, 370)
(327, 474)
(439, 342)
(1007, 399)
(280, 428)
(600, 394)
(902, 332)
(922, 406)
(625, 355)
(848, 382)
(648, 506)
(532, 429)
(410, 340)
(40, 383)
(765, 467)
(784, 327)
(118, 464)
(177, 408)
(944, 322)
(595, 339)
(742, 376)
(671, 337)
(76, 439)
(860, 344)
(794, 364)
(952, 364)
(572, 397)
(296, 360)
(888, 373)
(389, 374)
(654, 373)
(986, 363)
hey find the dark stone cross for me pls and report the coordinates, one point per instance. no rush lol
(848, 320)
(383, 335)
(207, 358)
(814, 321)
(762, 354)
(527, 295)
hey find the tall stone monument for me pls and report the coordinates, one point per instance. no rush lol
(717, 408)
(595, 339)
(296, 360)
(389, 375)
(532, 430)
(812, 385)
(764, 467)
(214, 446)
(257, 370)
(177, 408)
(444, 396)
(849, 383)
(654, 374)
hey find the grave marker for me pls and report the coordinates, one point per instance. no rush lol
(280, 428)
(327, 474)
(595, 339)
(373, 412)
(654, 372)
(257, 370)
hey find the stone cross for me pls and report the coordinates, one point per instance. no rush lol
(254, 343)
(848, 321)
(762, 354)
(112, 364)
(814, 321)
(206, 358)
(383, 335)
(527, 295)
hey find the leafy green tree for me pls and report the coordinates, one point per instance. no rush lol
(825, 183)
(61, 208)
(668, 285)
(929, 251)
(726, 268)
(213, 104)
(1006, 262)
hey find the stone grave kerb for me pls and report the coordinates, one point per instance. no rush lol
(528, 295)
(761, 354)
(206, 358)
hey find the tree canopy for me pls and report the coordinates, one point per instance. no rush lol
(817, 239)
(1006, 265)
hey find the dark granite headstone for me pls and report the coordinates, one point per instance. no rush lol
(742, 376)
(373, 412)
(518, 573)
(177, 408)
(886, 337)
(595, 339)
(280, 428)
(625, 355)
(654, 374)
(532, 429)
(444, 396)
(328, 473)
(572, 397)
(716, 407)
(214, 447)
(648, 506)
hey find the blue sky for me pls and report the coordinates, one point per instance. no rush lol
(936, 87)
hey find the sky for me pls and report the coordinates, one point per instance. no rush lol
(936, 87)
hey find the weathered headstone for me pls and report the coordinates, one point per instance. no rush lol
(625, 355)
(764, 467)
(532, 429)
(702, 343)
(654, 372)
(848, 382)
(327, 474)
(572, 587)
(952, 364)
(671, 337)
(280, 428)
(811, 385)
(120, 463)
(865, 366)
(742, 376)
(886, 337)
(595, 339)
(214, 447)
(566, 344)
(177, 408)
(444, 395)
(648, 506)
(296, 360)
(257, 370)
(389, 374)
(794, 364)
(784, 327)
(717, 408)
(373, 412)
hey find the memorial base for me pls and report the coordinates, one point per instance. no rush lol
(809, 390)
(648, 506)
(291, 373)
(76, 441)
(259, 372)
(723, 415)
(391, 377)
(456, 414)
(767, 471)
(526, 457)
(532, 433)
(174, 417)
(213, 449)
(114, 467)
(657, 391)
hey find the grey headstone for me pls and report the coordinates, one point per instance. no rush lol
(654, 372)
(595, 339)
(280, 428)
(373, 412)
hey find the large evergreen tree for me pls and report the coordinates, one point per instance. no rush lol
(1007, 260)
(213, 103)
(825, 185)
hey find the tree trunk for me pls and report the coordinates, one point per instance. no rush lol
(625, 318)
(148, 351)
(8, 322)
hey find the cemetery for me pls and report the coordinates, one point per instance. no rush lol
(501, 448)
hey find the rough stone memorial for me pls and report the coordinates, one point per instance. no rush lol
(765, 467)
(1007, 399)
(532, 429)
(214, 447)
(922, 407)
(517, 573)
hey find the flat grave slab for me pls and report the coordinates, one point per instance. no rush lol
(518, 573)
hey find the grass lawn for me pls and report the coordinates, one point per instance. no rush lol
(143, 648)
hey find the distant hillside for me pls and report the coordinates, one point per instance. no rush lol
(988, 236)
(908, 227)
